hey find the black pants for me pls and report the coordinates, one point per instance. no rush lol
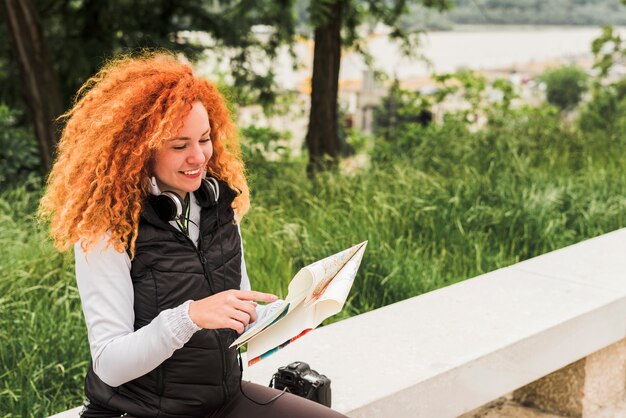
(286, 406)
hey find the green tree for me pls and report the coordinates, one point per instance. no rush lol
(80, 35)
(38, 79)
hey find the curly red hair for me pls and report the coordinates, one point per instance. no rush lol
(120, 117)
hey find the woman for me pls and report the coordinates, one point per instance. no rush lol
(148, 188)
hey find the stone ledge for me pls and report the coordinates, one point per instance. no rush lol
(479, 339)
(70, 413)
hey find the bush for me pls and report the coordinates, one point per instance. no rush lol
(565, 86)
(520, 139)
(605, 113)
(398, 108)
(265, 144)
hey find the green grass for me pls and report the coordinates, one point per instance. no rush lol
(446, 207)
(424, 231)
(43, 340)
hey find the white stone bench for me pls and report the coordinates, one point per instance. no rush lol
(449, 351)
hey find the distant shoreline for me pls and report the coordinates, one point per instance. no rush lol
(516, 27)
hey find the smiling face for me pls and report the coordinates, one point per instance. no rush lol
(179, 165)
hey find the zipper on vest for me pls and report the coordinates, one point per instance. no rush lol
(208, 276)
(224, 383)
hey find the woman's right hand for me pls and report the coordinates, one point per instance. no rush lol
(229, 309)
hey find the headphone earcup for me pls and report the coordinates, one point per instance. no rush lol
(168, 206)
(208, 193)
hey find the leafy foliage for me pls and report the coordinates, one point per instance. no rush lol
(81, 35)
(398, 108)
(604, 116)
(264, 144)
(19, 159)
(607, 50)
(403, 114)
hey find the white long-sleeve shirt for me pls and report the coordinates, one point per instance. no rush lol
(119, 353)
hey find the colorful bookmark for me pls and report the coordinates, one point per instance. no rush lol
(280, 347)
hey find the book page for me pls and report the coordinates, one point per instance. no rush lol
(301, 285)
(278, 311)
(331, 301)
(329, 268)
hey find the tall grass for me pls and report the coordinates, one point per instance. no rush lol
(438, 205)
(43, 340)
(424, 231)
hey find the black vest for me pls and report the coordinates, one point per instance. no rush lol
(168, 270)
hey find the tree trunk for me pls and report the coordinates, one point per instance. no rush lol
(322, 139)
(39, 82)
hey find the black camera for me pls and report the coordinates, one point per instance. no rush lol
(300, 380)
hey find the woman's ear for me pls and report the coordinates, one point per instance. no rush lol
(154, 187)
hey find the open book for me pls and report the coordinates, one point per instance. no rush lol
(318, 291)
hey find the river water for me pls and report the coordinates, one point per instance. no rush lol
(482, 47)
(475, 47)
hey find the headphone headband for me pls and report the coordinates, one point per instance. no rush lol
(216, 187)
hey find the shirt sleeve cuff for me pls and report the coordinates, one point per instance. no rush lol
(179, 322)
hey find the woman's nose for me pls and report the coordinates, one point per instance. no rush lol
(196, 155)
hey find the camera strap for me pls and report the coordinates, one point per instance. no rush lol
(312, 390)
(285, 390)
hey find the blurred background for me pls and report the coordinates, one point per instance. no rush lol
(457, 137)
